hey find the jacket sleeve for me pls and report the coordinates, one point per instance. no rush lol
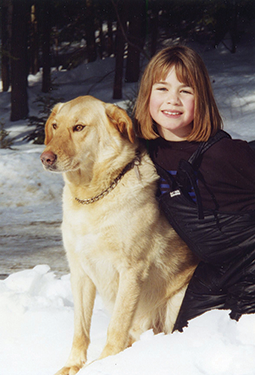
(228, 171)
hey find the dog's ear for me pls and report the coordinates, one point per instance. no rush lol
(121, 121)
(48, 127)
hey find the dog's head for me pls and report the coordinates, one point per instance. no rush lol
(82, 130)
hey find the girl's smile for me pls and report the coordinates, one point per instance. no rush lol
(172, 107)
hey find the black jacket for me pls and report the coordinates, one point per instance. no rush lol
(223, 241)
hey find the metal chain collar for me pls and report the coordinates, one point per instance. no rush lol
(129, 166)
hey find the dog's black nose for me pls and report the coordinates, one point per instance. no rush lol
(48, 158)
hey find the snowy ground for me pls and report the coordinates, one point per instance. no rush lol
(36, 309)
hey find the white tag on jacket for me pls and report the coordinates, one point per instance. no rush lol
(174, 193)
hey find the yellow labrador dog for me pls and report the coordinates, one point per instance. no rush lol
(117, 241)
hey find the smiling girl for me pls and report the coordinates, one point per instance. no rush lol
(175, 112)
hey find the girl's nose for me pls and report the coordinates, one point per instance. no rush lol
(173, 98)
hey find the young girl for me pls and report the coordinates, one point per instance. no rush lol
(176, 111)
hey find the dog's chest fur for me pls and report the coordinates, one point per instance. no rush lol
(96, 235)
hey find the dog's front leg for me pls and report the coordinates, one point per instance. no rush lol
(123, 313)
(84, 292)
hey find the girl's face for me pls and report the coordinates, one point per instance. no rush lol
(172, 107)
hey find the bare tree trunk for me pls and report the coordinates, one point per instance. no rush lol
(90, 31)
(19, 66)
(46, 57)
(119, 52)
(110, 15)
(34, 41)
(102, 39)
(154, 27)
(109, 38)
(136, 37)
(5, 48)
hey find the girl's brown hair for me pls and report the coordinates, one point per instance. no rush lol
(190, 70)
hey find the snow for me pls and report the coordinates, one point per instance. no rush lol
(36, 306)
(36, 332)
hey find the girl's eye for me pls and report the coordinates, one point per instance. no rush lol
(161, 88)
(54, 126)
(187, 92)
(78, 128)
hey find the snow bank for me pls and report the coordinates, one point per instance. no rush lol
(36, 327)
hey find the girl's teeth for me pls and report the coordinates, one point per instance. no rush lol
(172, 113)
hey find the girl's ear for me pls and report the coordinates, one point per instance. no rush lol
(48, 127)
(121, 121)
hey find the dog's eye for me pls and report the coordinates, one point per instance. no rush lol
(54, 126)
(78, 128)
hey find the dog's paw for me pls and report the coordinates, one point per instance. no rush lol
(69, 370)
